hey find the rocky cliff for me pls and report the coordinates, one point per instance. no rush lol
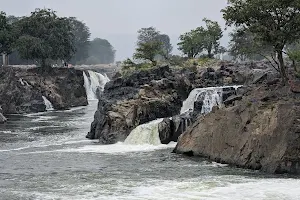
(146, 95)
(21, 90)
(261, 131)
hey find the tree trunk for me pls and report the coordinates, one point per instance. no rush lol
(45, 67)
(283, 72)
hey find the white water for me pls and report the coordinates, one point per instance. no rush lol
(48, 104)
(93, 82)
(211, 96)
(145, 134)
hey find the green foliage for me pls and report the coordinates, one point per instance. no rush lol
(243, 46)
(152, 46)
(166, 46)
(275, 22)
(45, 37)
(6, 35)
(81, 40)
(102, 50)
(128, 67)
(202, 39)
(176, 60)
(293, 51)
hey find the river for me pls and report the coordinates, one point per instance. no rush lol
(45, 156)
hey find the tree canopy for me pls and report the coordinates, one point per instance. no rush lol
(152, 45)
(243, 46)
(6, 36)
(202, 39)
(45, 37)
(275, 22)
(100, 52)
(81, 40)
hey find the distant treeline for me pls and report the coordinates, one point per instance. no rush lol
(45, 38)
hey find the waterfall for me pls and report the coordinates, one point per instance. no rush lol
(48, 104)
(145, 134)
(212, 96)
(94, 82)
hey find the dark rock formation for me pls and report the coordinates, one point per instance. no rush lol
(137, 99)
(146, 95)
(21, 90)
(259, 132)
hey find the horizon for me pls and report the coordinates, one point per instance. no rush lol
(119, 26)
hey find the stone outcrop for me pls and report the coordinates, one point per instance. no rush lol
(137, 99)
(146, 95)
(21, 90)
(260, 132)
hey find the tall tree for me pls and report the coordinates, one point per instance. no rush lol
(243, 46)
(166, 45)
(81, 39)
(202, 39)
(6, 37)
(45, 37)
(191, 43)
(275, 22)
(151, 45)
(101, 52)
(212, 35)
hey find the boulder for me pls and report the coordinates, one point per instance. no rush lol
(165, 131)
(295, 86)
(250, 134)
(21, 90)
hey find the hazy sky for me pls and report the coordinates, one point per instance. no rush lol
(119, 20)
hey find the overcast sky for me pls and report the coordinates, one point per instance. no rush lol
(119, 20)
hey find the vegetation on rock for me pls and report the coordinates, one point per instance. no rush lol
(274, 22)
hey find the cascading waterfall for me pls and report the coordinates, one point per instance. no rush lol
(48, 104)
(148, 133)
(94, 82)
(145, 134)
(212, 96)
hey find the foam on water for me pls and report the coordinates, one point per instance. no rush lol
(119, 148)
(145, 134)
(215, 189)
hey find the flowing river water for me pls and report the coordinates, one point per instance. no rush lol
(45, 156)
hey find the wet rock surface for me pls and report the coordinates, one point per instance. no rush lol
(21, 90)
(260, 131)
(146, 95)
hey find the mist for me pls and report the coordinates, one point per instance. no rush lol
(118, 21)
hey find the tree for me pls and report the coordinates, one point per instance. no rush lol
(166, 46)
(81, 39)
(45, 37)
(275, 22)
(151, 45)
(148, 51)
(191, 43)
(202, 39)
(293, 51)
(101, 52)
(212, 35)
(243, 46)
(6, 37)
